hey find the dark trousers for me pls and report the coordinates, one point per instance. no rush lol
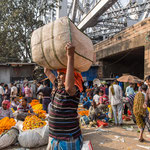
(29, 99)
(45, 103)
(1, 99)
(125, 110)
(21, 116)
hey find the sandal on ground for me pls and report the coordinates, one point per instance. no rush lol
(141, 140)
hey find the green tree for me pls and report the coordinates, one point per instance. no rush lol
(18, 19)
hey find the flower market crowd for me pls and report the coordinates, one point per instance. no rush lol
(69, 105)
(104, 102)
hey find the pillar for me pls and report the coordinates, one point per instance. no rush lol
(147, 60)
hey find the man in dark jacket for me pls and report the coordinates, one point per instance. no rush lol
(7, 92)
(46, 96)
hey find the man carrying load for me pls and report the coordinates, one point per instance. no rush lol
(64, 126)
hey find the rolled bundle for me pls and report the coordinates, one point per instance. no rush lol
(48, 45)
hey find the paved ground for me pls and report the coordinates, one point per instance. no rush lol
(116, 138)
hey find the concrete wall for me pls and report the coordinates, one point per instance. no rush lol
(147, 60)
(5, 74)
(22, 72)
(118, 69)
(133, 37)
(11, 73)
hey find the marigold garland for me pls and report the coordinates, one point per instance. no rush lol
(41, 113)
(37, 107)
(84, 112)
(32, 122)
(34, 102)
(6, 124)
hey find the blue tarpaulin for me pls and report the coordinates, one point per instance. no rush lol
(91, 74)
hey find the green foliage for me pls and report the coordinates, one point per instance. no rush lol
(18, 19)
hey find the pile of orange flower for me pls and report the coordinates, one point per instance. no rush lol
(6, 124)
(84, 112)
(32, 122)
(37, 107)
(34, 102)
(41, 113)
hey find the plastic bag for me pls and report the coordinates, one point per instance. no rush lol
(9, 138)
(34, 138)
(101, 123)
(84, 120)
(87, 145)
(129, 113)
(126, 118)
(110, 113)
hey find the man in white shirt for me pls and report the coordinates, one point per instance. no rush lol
(130, 90)
(40, 86)
(14, 90)
(115, 97)
(96, 97)
(1, 93)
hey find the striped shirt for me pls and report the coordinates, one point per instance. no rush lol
(20, 108)
(63, 116)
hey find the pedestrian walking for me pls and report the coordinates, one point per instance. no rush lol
(46, 91)
(28, 93)
(7, 92)
(115, 97)
(1, 94)
(139, 111)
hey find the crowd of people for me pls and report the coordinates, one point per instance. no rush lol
(95, 99)
(129, 97)
(61, 103)
(10, 99)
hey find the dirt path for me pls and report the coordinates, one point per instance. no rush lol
(116, 138)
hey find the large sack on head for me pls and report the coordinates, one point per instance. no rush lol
(9, 138)
(48, 45)
(34, 138)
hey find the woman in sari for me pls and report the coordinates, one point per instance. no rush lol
(139, 111)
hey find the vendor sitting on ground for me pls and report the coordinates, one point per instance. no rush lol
(24, 109)
(96, 97)
(15, 103)
(5, 110)
(93, 111)
(86, 103)
(103, 101)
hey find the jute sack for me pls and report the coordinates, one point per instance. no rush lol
(34, 138)
(48, 45)
(9, 138)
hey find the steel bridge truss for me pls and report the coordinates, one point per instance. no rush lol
(109, 20)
